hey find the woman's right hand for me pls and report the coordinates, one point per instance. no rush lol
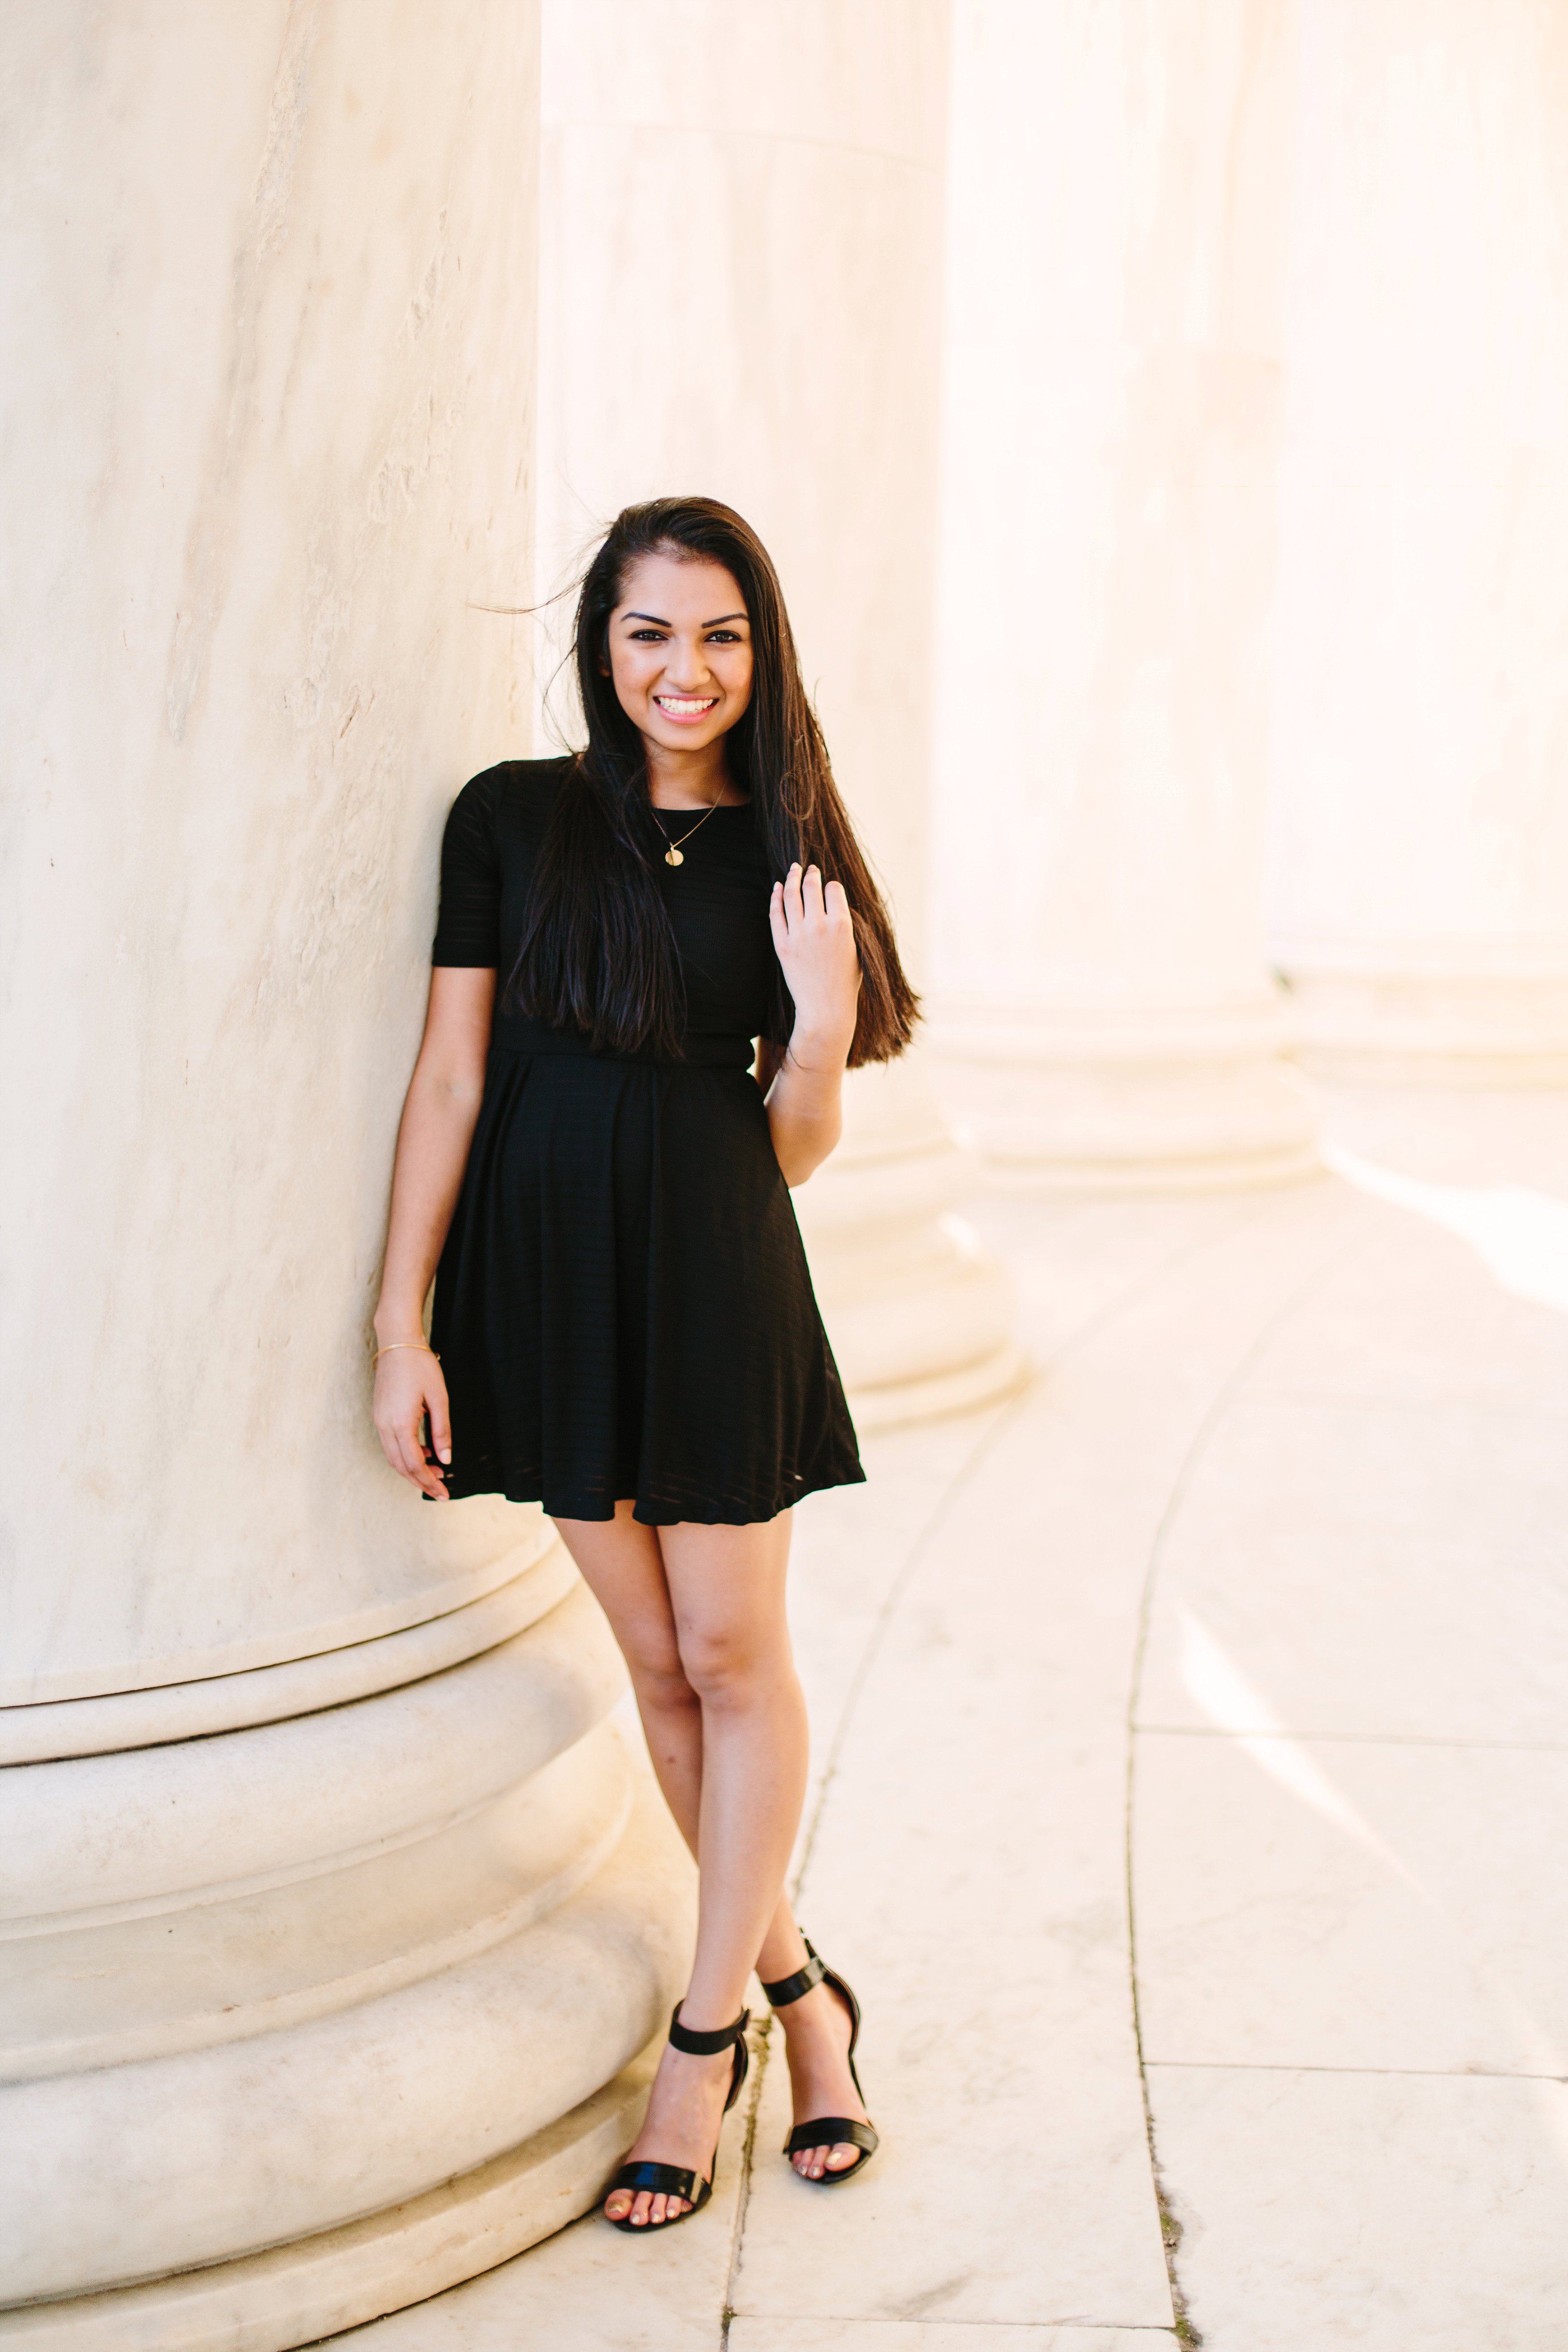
(409, 1386)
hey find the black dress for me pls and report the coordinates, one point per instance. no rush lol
(623, 1307)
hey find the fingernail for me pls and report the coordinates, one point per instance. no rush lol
(446, 1453)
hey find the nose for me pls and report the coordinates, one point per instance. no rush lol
(686, 665)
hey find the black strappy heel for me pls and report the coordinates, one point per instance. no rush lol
(827, 2131)
(674, 2180)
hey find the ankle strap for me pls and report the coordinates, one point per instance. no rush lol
(783, 1990)
(706, 2045)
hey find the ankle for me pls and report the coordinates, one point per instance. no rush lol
(698, 2015)
(781, 1956)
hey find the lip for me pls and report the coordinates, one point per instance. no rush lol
(698, 707)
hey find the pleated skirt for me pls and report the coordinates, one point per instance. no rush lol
(623, 1307)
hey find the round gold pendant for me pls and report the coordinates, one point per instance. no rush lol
(673, 857)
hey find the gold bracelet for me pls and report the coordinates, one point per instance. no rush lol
(423, 1345)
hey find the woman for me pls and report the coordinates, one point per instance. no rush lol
(625, 1324)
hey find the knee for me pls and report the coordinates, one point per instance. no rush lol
(725, 1670)
(660, 1678)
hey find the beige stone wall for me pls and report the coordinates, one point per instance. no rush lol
(1117, 204)
(271, 273)
(328, 1883)
(1418, 892)
(740, 297)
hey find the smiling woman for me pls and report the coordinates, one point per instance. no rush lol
(624, 1318)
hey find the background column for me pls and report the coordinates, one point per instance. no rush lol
(329, 1923)
(1418, 896)
(1118, 179)
(740, 297)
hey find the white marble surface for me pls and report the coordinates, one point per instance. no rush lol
(797, 380)
(269, 284)
(919, 1313)
(1398, 1914)
(268, 453)
(1404, 1429)
(594, 2283)
(1381, 2211)
(1418, 886)
(798, 371)
(933, 2335)
(1348, 1948)
(1110, 434)
(197, 2155)
(149, 1828)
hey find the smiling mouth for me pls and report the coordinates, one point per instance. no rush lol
(686, 706)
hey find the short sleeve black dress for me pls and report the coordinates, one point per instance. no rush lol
(623, 1307)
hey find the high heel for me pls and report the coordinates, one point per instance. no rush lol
(827, 2131)
(674, 2180)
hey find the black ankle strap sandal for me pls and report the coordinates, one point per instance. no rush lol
(675, 2179)
(827, 2131)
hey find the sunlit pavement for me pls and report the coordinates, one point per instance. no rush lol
(1254, 1603)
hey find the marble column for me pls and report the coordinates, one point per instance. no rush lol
(1418, 892)
(332, 1920)
(740, 297)
(1116, 218)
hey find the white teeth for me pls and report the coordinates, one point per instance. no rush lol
(683, 708)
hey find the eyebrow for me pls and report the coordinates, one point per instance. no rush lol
(670, 625)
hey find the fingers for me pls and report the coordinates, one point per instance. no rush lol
(440, 1421)
(401, 1406)
(802, 899)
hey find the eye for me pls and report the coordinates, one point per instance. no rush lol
(724, 638)
(647, 636)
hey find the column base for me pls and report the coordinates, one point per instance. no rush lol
(294, 2295)
(1192, 1101)
(1469, 1030)
(315, 1987)
(919, 1313)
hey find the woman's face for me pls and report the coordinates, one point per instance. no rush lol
(680, 652)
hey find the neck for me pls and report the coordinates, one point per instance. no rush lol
(694, 778)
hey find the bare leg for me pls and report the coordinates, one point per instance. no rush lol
(699, 1614)
(727, 1591)
(624, 1568)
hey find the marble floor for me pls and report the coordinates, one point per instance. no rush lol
(1190, 1793)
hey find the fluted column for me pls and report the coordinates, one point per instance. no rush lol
(333, 1918)
(1418, 896)
(1118, 188)
(740, 297)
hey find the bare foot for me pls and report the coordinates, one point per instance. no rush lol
(685, 2111)
(817, 2030)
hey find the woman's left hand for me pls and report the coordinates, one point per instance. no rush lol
(813, 934)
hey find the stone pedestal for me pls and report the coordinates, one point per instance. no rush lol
(334, 1921)
(920, 1316)
(1418, 896)
(786, 165)
(1102, 1011)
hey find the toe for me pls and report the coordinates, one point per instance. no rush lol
(842, 2155)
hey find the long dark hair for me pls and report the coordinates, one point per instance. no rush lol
(598, 951)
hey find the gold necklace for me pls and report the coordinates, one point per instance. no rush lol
(672, 855)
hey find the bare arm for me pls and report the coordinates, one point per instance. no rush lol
(438, 1119)
(813, 934)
